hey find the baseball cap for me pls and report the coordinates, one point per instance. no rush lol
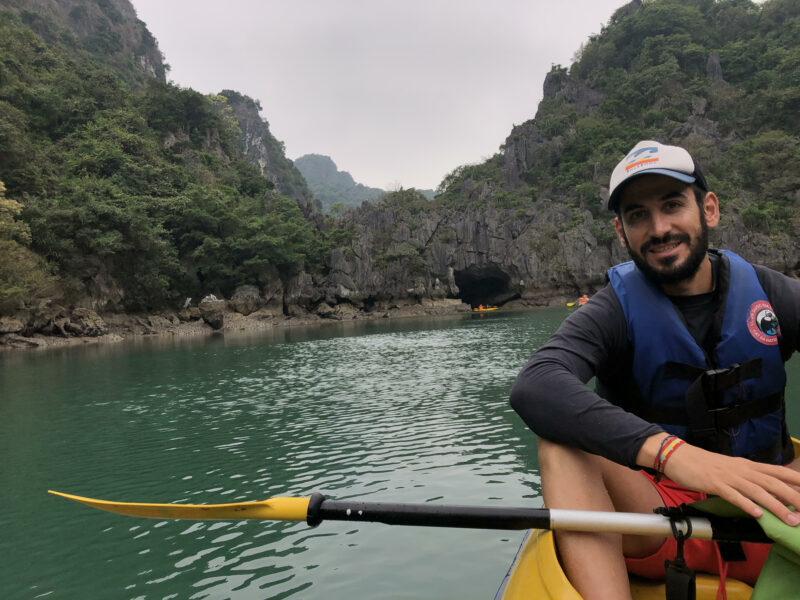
(649, 157)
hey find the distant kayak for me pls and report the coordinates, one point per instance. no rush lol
(485, 308)
(579, 302)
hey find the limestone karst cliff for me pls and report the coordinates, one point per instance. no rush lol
(130, 193)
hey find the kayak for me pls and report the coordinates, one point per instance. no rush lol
(485, 309)
(536, 573)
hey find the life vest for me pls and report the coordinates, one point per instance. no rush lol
(729, 402)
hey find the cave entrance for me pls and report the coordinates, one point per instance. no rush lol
(486, 285)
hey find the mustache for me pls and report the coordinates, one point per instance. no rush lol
(669, 238)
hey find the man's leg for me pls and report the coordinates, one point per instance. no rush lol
(573, 479)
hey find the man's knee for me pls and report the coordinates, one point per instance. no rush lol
(556, 457)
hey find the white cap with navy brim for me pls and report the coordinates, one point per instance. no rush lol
(649, 157)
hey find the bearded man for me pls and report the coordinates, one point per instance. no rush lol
(687, 346)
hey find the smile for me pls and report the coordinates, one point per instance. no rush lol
(665, 248)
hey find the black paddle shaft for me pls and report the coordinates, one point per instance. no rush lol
(483, 517)
(427, 515)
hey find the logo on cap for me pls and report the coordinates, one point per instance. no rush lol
(635, 159)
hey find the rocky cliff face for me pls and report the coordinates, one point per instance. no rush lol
(522, 257)
(499, 235)
(478, 255)
(503, 236)
(262, 149)
(108, 29)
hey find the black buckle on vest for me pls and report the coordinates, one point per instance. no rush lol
(717, 380)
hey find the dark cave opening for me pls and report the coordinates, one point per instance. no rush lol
(487, 286)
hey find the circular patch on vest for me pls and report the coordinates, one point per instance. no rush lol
(763, 323)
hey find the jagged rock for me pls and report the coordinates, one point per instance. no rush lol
(246, 299)
(13, 340)
(84, 322)
(324, 310)
(301, 291)
(159, 323)
(559, 85)
(263, 150)
(273, 292)
(299, 312)
(265, 314)
(346, 312)
(191, 313)
(212, 310)
(11, 325)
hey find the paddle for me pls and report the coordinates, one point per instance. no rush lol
(316, 509)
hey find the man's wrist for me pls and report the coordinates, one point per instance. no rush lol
(648, 453)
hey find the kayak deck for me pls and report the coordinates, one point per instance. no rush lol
(537, 573)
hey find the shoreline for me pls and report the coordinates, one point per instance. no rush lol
(112, 328)
(84, 327)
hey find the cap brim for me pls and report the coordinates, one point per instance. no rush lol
(613, 199)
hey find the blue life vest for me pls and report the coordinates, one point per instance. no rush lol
(730, 402)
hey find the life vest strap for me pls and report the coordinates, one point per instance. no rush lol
(728, 416)
(715, 380)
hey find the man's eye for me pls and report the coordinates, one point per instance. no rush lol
(635, 215)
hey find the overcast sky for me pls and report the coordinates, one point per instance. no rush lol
(398, 93)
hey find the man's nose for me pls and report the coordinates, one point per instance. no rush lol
(659, 225)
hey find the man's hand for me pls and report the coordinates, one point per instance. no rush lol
(740, 481)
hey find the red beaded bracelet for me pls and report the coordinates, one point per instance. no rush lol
(668, 446)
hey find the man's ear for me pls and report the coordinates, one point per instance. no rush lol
(620, 232)
(711, 209)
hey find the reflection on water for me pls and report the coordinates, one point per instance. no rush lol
(406, 411)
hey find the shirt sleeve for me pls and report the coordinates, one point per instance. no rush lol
(551, 393)
(784, 295)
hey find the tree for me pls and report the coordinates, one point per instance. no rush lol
(22, 276)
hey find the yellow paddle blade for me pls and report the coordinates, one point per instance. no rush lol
(275, 509)
(570, 304)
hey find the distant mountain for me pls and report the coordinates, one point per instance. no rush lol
(332, 186)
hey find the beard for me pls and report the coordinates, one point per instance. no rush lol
(669, 272)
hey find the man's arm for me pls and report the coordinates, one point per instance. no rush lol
(551, 395)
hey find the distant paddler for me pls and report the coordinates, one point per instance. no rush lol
(482, 308)
(580, 301)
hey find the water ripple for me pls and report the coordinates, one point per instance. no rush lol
(398, 414)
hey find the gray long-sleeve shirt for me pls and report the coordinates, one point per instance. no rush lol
(551, 395)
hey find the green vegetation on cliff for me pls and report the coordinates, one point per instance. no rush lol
(124, 191)
(139, 196)
(718, 76)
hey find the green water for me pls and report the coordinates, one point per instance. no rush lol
(404, 411)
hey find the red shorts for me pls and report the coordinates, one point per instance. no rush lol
(700, 555)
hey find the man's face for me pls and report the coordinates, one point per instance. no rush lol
(663, 229)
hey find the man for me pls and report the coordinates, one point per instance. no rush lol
(650, 338)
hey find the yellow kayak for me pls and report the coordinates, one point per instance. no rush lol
(485, 308)
(536, 573)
